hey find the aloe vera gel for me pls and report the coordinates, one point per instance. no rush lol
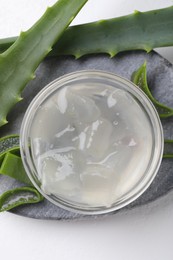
(91, 141)
(90, 144)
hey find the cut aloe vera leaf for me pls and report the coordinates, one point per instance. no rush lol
(19, 62)
(19, 196)
(10, 163)
(9, 143)
(12, 166)
(168, 149)
(139, 78)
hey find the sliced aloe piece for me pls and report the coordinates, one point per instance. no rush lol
(168, 149)
(139, 77)
(19, 196)
(12, 166)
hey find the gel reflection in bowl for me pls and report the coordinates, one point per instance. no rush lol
(95, 142)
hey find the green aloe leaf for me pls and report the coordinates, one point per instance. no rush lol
(168, 149)
(12, 166)
(19, 62)
(9, 143)
(137, 31)
(10, 162)
(139, 78)
(19, 196)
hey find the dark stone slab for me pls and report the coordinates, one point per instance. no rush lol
(160, 78)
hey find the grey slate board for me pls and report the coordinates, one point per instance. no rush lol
(160, 78)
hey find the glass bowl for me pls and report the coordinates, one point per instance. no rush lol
(91, 142)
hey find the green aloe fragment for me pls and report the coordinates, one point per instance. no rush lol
(12, 166)
(9, 143)
(137, 31)
(139, 78)
(168, 149)
(6, 43)
(19, 196)
(19, 62)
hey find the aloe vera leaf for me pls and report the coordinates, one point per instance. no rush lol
(18, 63)
(6, 43)
(139, 77)
(19, 196)
(9, 143)
(137, 31)
(168, 149)
(12, 166)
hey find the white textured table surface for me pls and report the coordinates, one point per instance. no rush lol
(143, 233)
